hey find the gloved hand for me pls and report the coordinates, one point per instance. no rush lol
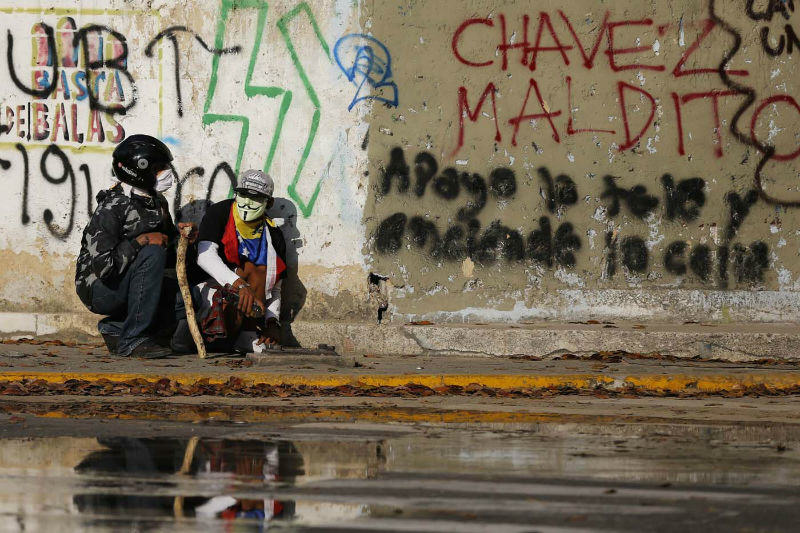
(155, 237)
(192, 234)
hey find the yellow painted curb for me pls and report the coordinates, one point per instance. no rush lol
(498, 381)
(716, 383)
(659, 383)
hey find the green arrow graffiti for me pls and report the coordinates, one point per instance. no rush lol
(250, 90)
(305, 207)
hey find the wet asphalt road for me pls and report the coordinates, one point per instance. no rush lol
(113, 475)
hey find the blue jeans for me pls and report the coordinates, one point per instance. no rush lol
(141, 301)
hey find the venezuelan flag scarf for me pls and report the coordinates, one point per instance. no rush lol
(254, 238)
(251, 241)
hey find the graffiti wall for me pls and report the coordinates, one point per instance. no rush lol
(228, 85)
(625, 159)
(481, 160)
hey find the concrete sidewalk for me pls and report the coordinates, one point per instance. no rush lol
(54, 368)
(737, 342)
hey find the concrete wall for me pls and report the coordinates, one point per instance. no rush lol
(494, 160)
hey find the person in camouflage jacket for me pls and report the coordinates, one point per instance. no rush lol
(109, 244)
(124, 253)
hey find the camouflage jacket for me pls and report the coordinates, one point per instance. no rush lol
(108, 245)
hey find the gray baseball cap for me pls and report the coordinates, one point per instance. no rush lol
(256, 182)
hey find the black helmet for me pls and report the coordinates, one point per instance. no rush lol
(138, 158)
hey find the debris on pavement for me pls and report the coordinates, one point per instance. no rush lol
(236, 387)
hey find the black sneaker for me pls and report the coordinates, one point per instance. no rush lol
(150, 350)
(111, 342)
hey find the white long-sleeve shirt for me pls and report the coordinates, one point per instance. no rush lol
(209, 260)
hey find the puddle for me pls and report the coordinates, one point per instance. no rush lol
(127, 482)
(552, 477)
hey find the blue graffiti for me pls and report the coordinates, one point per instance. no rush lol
(369, 67)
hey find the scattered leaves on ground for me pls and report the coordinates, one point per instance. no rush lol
(235, 387)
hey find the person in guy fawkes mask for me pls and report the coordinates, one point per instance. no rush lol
(244, 253)
(124, 254)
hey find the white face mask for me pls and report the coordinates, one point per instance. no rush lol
(250, 209)
(164, 180)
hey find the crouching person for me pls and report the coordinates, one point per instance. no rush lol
(244, 253)
(124, 254)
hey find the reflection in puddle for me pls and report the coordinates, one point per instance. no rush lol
(433, 478)
(219, 464)
(107, 484)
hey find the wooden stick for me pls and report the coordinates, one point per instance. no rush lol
(187, 294)
(188, 455)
